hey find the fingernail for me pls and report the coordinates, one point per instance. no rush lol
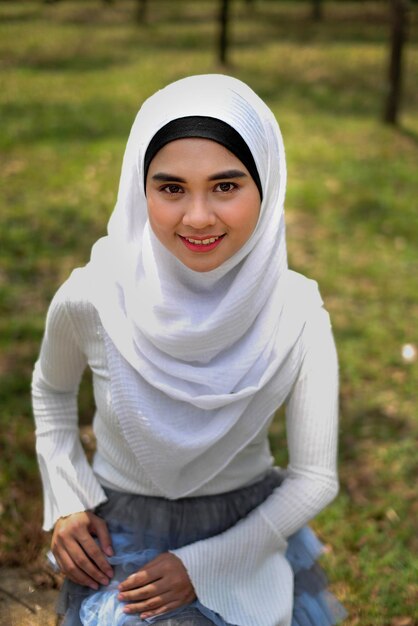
(104, 581)
(109, 551)
(94, 586)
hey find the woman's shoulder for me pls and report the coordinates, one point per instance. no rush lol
(299, 283)
(303, 292)
(305, 300)
(74, 298)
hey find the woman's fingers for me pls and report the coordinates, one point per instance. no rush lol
(162, 585)
(77, 554)
(73, 572)
(145, 593)
(100, 529)
(85, 564)
(155, 606)
(158, 602)
(164, 608)
(139, 580)
(94, 556)
(165, 566)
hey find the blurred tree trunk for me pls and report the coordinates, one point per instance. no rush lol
(399, 23)
(223, 31)
(142, 11)
(317, 12)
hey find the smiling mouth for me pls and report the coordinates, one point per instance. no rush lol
(201, 245)
(203, 242)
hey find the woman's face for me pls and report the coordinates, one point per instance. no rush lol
(203, 204)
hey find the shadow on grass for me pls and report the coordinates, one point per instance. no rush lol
(58, 121)
(410, 134)
(76, 63)
(126, 48)
(18, 18)
(327, 96)
(373, 423)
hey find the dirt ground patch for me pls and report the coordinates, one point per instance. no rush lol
(22, 603)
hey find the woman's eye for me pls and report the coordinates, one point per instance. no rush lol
(225, 187)
(172, 188)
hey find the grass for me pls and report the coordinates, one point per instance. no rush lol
(73, 76)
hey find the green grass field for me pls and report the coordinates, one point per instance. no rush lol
(73, 75)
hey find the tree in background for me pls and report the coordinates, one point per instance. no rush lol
(224, 20)
(223, 31)
(399, 10)
(142, 11)
(317, 12)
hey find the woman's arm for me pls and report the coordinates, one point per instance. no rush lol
(312, 435)
(68, 480)
(70, 486)
(242, 554)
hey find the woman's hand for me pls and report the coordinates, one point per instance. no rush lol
(160, 586)
(77, 553)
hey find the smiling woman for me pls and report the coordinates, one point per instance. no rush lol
(196, 332)
(203, 204)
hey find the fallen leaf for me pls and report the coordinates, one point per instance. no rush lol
(402, 621)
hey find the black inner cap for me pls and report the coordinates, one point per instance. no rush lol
(204, 128)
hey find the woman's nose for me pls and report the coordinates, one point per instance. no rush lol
(199, 214)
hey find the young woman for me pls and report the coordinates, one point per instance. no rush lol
(196, 332)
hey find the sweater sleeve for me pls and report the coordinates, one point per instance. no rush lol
(241, 557)
(69, 483)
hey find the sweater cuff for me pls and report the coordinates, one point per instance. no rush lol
(68, 488)
(223, 569)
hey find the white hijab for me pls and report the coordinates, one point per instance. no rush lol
(198, 361)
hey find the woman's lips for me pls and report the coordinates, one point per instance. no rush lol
(202, 244)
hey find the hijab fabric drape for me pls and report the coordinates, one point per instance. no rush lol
(198, 361)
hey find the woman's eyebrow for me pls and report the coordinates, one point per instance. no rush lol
(164, 177)
(227, 174)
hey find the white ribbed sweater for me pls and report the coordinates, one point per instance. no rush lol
(242, 574)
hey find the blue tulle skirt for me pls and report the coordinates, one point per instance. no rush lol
(142, 527)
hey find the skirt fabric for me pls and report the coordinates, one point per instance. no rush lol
(143, 526)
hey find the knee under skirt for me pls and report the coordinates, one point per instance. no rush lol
(144, 526)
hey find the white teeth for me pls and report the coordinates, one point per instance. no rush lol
(205, 242)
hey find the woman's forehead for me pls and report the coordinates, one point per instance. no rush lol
(195, 150)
